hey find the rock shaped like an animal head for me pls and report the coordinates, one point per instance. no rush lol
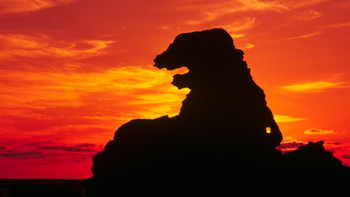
(191, 49)
(207, 54)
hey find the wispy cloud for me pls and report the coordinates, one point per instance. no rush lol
(236, 36)
(44, 150)
(338, 25)
(85, 145)
(210, 12)
(262, 5)
(37, 143)
(213, 11)
(20, 6)
(316, 86)
(28, 154)
(240, 25)
(282, 118)
(43, 46)
(314, 131)
(279, 5)
(249, 46)
(68, 148)
(34, 103)
(308, 15)
(299, 4)
(304, 36)
(290, 145)
(236, 28)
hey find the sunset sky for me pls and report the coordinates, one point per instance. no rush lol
(73, 71)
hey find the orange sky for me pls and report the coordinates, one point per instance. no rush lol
(73, 71)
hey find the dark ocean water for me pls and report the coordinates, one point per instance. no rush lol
(11, 184)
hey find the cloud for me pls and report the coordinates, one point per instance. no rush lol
(240, 25)
(236, 36)
(278, 5)
(314, 131)
(304, 36)
(346, 156)
(299, 4)
(2, 147)
(249, 46)
(213, 11)
(84, 145)
(332, 143)
(308, 15)
(68, 148)
(21, 154)
(291, 145)
(43, 46)
(235, 28)
(38, 143)
(262, 5)
(130, 86)
(20, 6)
(41, 150)
(316, 86)
(282, 118)
(340, 150)
(48, 105)
(338, 25)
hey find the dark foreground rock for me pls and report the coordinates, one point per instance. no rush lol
(223, 142)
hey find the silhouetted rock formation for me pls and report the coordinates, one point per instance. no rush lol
(223, 94)
(312, 171)
(218, 145)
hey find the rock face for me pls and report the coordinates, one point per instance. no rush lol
(222, 143)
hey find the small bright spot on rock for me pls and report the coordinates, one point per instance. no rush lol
(268, 129)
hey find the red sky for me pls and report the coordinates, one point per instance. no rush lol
(73, 71)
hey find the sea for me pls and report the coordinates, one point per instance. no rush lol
(6, 185)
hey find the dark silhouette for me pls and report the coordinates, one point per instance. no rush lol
(42, 187)
(43, 190)
(223, 142)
